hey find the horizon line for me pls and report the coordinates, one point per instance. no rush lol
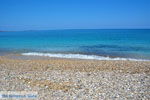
(78, 29)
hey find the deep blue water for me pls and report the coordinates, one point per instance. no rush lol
(127, 43)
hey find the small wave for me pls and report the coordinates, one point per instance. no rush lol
(79, 56)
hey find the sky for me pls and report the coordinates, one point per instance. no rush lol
(74, 14)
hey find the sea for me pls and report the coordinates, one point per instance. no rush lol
(99, 44)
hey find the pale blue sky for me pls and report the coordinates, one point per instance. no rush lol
(73, 14)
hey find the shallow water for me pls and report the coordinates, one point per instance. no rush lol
(122, 43)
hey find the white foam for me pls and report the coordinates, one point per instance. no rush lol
(78, 56)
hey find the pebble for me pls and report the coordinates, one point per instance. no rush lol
(76, 84)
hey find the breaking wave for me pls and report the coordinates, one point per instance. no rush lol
(79, 56)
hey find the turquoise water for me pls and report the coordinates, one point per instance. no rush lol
(124, 43)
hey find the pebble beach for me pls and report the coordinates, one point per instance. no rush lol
(75, 79)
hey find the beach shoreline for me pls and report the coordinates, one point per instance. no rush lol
(57, 78)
